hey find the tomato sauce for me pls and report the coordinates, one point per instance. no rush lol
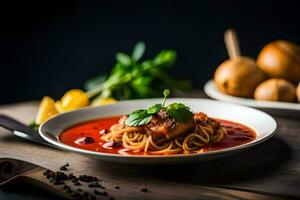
(87, 136)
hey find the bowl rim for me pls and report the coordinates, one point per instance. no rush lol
(49, 137)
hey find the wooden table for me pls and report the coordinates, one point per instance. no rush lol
(269, 171)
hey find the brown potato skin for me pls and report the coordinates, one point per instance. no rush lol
(276, 90)
(298, 92)
(280, 59)
(238, 77)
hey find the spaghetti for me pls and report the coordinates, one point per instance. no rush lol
(202, 131)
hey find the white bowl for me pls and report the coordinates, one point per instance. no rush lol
(262, 123)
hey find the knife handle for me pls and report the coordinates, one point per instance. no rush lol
(14, 125)
(16, 172)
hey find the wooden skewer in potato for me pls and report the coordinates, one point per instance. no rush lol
(239, 75)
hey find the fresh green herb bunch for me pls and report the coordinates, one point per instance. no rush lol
(133, 78)
(178, 111)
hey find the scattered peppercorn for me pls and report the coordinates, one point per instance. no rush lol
(71, 176)
(75, 179)
(85, 178)
(93, 184)
(77, 183)
(58, 178)
(63, 168)
(48, 173)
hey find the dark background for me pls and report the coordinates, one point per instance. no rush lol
(48, 47)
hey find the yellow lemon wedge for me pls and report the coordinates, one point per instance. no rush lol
(103, 101)
(73, 99)
(58, 107)
(46, 110)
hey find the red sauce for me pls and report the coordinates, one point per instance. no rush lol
(87, 136)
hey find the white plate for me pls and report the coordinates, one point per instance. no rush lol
(262, 123)
(282, 108)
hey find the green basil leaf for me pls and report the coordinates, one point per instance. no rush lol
(138, 118)
(93, 82)
(180, 112)
(154, 109)
(146, 65)
(144, 120)
(166, 93)
(138, 51)
(123, 58)
(165, 58)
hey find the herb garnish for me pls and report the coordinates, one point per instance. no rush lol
(134, 77)
(138, 117)
(178, 111)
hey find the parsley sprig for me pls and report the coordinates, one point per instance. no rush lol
(133, 77)
(178, 111)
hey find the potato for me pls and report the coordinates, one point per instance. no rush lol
(298, 92)
(276, 90)
(280, 59)
(238, 77)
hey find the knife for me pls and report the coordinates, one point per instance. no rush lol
(21, 130)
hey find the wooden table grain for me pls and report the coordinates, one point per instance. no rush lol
(269, 171)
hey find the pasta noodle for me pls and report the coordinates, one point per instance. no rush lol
(140, 139)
